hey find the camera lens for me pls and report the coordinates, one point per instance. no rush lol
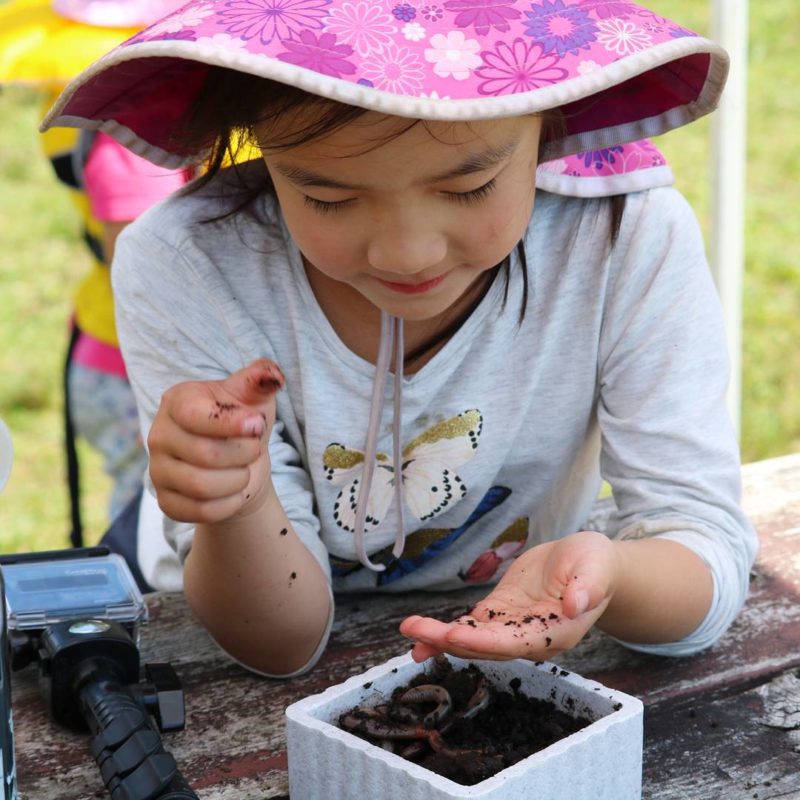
(89, 626)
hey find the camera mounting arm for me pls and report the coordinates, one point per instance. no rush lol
(89, 674)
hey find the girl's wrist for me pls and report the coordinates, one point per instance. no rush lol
(615, 611)
(265, 497)
(254, 514)
(621, 565)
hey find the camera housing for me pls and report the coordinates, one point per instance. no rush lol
(54, 586)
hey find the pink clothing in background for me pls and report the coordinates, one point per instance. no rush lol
(94, 354)
(121, 185)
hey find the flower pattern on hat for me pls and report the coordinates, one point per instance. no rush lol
(362, 25)
(320, 53)
(631, 167)
(454, 48)
(483, 15)
(267, 20)
(622, 37)
(518, 67)
(560, 28)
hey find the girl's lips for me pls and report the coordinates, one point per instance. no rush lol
(414, 288)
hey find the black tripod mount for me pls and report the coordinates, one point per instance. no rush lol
(89, 674)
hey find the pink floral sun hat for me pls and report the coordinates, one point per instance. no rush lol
(618, 71)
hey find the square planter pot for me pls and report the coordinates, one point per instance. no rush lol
(603, 761)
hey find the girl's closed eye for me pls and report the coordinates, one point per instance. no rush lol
(325, 206)
(474, 195)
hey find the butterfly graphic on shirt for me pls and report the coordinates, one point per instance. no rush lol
(421, 546)
(430, 482)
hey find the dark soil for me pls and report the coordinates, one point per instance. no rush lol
(509, 728)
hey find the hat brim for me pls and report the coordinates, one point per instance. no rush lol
(138, 94)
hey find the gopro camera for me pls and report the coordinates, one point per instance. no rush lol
(77, 613)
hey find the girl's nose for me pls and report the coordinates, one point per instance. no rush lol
(402, 251)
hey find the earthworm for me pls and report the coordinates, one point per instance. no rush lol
(413, 750)
(388, 724)
(479, 700)
(380, 726)
(438, 744)
(427, 693)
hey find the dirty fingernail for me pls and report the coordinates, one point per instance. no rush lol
(253, 426)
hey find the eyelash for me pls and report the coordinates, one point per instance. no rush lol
(325, 208)
(473, 196)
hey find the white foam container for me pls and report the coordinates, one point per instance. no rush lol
(601, 762)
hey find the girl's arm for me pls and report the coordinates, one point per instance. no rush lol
(217, 454)
(258, 590)
(662, 592)
(249, 578)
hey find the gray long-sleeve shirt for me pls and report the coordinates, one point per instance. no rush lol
(617, 371)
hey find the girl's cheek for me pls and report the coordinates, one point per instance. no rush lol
(501, 235)
(492, 234)
(332, 253)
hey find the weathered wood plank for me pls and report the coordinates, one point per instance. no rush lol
(718, 749)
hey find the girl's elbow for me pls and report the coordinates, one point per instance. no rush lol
(285, 653)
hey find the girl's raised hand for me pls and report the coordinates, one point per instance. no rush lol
(545, 603)
(208, 444)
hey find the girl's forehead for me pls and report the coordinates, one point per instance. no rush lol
(375, 137)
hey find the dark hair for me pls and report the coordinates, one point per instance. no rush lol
(230, 106)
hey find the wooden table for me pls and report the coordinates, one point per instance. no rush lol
(717, 725)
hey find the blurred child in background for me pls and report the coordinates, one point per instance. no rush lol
(44, 45)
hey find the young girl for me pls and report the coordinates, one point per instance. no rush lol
(391, 243)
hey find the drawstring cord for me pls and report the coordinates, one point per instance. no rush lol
(397, 450)
(391, 339)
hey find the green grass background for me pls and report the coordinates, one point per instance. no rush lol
(42, 258)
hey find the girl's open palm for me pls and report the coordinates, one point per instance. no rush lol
(546, 602)
(208, 444)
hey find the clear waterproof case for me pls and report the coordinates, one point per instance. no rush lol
(54, 586)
